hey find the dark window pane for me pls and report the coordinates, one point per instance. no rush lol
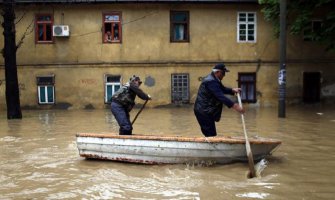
(113, 79)
(251, 92)
(116, 31)
(44, 18)
(246, 78)
(48, 32)
(179, 17)
(244, 91)
(242, 32)
(179, 32)
(250, 32)
(251, 17)
(108, 27)
(242, 17)
(109, 92)
(116, 87)
(40, 32)
(50, 94)
(251, 38)
(42, 94)
(46, 80)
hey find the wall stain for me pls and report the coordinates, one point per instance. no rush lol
(149, 81)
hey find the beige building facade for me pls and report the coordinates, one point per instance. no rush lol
(171, 46)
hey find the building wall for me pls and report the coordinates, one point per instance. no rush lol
(80, 61)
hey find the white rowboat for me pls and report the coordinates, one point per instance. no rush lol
(148, 149)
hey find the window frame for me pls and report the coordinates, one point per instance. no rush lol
(104, 32)
(244, 98)
(45, 86)
(186, 23)
(113, 84)
(44, 23)
(312, 30)
(246, 23)
(182, 101)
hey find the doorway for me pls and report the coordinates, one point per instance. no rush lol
(311, 87)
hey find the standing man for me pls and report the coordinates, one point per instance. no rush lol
(123, 102)
(210, 100)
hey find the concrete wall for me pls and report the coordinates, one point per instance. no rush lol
(80, 61)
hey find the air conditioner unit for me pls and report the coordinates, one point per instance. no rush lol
(61, 30)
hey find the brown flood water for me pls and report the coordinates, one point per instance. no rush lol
(39, 158)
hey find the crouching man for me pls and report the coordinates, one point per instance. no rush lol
(123, 102)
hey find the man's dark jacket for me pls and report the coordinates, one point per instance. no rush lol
(211, 97)
(126, 95)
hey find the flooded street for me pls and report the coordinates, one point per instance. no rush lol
(39, 158)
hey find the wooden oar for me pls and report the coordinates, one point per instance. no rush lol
(139, 112)
(247, 144)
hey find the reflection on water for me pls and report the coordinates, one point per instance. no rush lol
(39, 158)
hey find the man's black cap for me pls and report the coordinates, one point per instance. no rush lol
(221, 66)
(135, 78)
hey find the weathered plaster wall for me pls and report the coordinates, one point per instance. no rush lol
(82, 86)
(80, 61)
(146, 36)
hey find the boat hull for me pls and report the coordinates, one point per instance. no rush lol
(171, 150)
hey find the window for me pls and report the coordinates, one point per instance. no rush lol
(112, 28)
(43, 28)
(112, 84)
(180, 88)
(179, 26)
(247, 82)
(246, 25)
(311, 32)
(46, 89)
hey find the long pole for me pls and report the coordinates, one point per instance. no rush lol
(247, 144)
(282, 61)
(139, 112)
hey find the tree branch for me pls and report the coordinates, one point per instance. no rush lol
(27, 32)
(24, 14)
